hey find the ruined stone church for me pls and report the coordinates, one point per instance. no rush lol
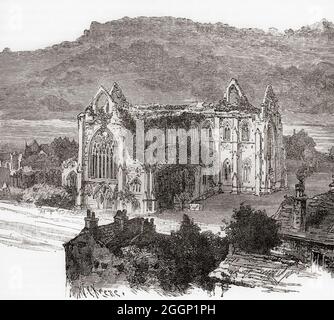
(229, 146)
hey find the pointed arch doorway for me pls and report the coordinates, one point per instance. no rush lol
(226, 175)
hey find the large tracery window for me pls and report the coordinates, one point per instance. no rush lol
(102, 164)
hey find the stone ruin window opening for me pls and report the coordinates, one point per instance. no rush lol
(246, 171)
(226, 172)
(211, 143)
(102, 157)
(208, 127)
(317, 259)
(208, 180)
(136, 186)
(245, 132)
(226, 133)
(188, 150)
(102, 102)
(233, 96)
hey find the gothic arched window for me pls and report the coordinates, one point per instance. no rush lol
(244, 132)
(188, 150)
(246, 171)
(227, 133)
(102, 101)
(226, 172)
(211, 143)
(234, 96)
(207, 126)
(102, 163)
(135, 185)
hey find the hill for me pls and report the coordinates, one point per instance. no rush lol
(170, 60)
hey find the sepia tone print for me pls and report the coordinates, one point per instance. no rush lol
(156, 157)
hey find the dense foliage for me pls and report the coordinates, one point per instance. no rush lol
(45, 161)
(253, 231)
(178, 261)
(184, 119)
(41, 161)
(194, 255)
(64, 148)
(44, 195)
(174, 182)
(108, 191)
(51, 155)
(299, 146)
(173, 263)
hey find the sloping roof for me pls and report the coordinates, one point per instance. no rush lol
(110, 235)
(257, 270)
(106, 233)
(323, 233)
(46, 148)
(323, 200)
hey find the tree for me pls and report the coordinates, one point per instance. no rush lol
(183, 199)
(253, 231)
(298, 145)
(64, 148)
(191, 255)
(106, 191)
(174, 182)
(41, 161)
(289, 32)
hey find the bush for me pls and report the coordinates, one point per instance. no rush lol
(189, 257)
(141, 266)
(14, 194)
(253, 231)
(297, 144)
(174, 262)
(45, 195)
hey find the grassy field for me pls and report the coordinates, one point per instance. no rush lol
(220, 207)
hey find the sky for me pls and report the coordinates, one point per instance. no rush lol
(34, 24)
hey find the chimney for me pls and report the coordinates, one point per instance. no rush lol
(91, 223)
(152, 225)
(120, 219)
(299, 207)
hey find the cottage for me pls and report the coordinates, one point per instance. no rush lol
(307, 227)
(123, 232)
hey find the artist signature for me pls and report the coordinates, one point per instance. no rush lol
(92, 292)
